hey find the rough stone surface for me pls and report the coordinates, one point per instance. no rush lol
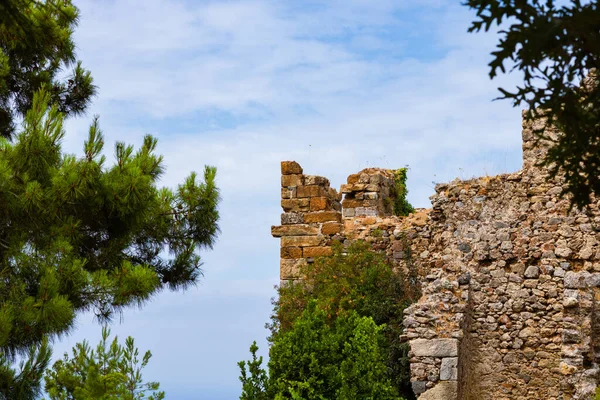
(447, 390)
(448, 369)
(434, 347)
(509, 275)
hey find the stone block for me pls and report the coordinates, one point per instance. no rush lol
(292, 180)
(290, 167)
(316, 251)
(316, 180)
(532, 272)
(295, 205)
(434, 347)
(366, 211)
(445, 390)
(319, 203)
(331, 228)
(349, 212)
(290, 268)
(419, 386)
(288, 192)
(448, 369)
(310, 191)
(302, 241)
(352, 203)
(294, 230)
(324, 216)
(576, 280)
(353, 178)
(290, 252)
(292, 218)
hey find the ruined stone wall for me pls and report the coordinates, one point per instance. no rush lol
(510, 276)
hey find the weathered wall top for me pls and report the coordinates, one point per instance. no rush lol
(510, 275)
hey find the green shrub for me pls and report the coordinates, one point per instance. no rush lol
(342, 360)
(352, 283)
(401, 205)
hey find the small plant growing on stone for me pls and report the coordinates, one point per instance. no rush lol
(401, 206)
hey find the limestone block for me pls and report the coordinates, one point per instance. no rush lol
(295, 205)
(319, 203)
(292, 180)
(301, 241)
(324, 216)
(316, 251)
(351, 203)
(290, 167)
(446, 390)
(349, 212)
(576, 280)
(366, 211)
(291, 218)
(448, 370)
(290, 252)
(290, 268)
(294, 230)
(316, 180)
(331, 228)
(353, 178)
(288, 192)
(310, 191)
(434, 347)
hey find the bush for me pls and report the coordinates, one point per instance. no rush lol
(360, 280)
(342, 360)
(333, 303)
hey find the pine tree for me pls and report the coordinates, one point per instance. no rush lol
(78, 235)
(111, 372)
(36, 46)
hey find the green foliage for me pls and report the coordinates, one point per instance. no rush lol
(78, 235)
(401, 205)
(36, 47)
(353, 280)
(254, 380)
(317, 359)
(110, 372)
(26, 384)
(555, 48)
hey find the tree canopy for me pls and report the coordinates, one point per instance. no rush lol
(110, 372)
(77, 234)
(555, 48)
(36, 47)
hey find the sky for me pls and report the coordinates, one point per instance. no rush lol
(336, 85)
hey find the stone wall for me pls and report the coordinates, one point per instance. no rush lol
(510, 276)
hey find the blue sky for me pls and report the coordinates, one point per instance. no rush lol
(335, 85)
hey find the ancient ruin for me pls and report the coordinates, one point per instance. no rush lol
(510, 275)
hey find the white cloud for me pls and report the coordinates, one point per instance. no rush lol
(337, 86)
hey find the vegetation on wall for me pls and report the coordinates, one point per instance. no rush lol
(401, 205)
(355, 288)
